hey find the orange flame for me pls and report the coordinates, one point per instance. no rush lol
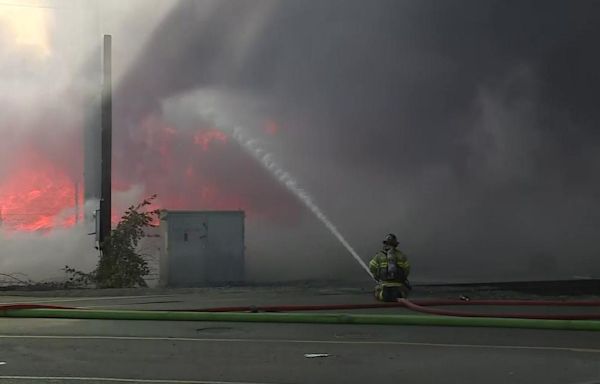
(40, 192)
(205, 137)
(37, 195)
(271, 127)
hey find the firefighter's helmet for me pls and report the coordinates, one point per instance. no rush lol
(391, 240)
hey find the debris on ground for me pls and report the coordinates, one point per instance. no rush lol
(314, 355)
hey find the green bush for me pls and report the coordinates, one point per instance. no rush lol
(120, 265)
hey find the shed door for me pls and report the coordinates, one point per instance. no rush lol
(188, 245)
(225, 251)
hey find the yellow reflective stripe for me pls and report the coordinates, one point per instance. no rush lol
(391, 284)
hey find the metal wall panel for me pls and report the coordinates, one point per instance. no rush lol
(202, 248)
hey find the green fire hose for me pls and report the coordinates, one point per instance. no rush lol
(373, 319)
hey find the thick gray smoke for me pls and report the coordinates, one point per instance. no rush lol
(466, 127)
(46, 49)
(41, 256)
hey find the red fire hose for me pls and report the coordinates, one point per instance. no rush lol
(443, 312)
(8, 307)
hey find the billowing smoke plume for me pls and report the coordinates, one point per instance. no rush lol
(468, 128)
(47, 49)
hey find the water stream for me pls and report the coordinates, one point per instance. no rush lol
(266, 160)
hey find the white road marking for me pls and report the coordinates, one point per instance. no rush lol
(294, 341)
(123, 380)
(2, 362)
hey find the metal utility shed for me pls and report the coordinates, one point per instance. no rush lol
(201, 248)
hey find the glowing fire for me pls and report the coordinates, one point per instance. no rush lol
(199, 169)
(202, 169)
(204, 138)
(271, 127)
(37, 195)
(176, 166)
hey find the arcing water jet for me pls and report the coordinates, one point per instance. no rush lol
(284, 177)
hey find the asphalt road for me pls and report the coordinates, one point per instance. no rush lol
(101, 351)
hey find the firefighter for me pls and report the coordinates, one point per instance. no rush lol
(390, 268)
